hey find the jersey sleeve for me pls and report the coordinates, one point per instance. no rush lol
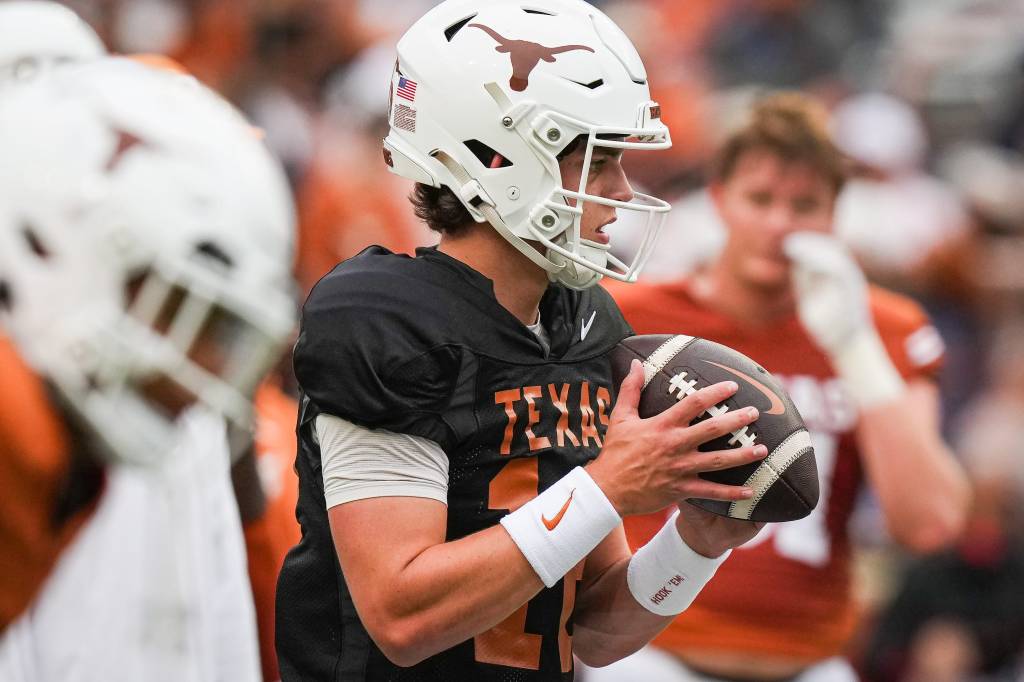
(35, 462)
(360, 463)
(913, 343)
(364, 354)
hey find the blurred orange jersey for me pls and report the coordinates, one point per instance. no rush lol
(269, 537)
(787, 593)
(35, 464)
(341, 212)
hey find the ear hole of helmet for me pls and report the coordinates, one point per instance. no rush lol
(486, 155)
(214, 251)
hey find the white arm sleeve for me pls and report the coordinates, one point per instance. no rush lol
(360, 463)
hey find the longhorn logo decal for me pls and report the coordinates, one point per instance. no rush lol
(525, 55)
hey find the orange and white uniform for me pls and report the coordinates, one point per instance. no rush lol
(269, 537)
(35, 467)
(786, 593)
(47, 506)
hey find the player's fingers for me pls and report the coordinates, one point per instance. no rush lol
(710, 429)
(693, 405)
(698, 488)
(722, 459)
(629, 392)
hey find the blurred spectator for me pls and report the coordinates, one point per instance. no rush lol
(959, 62)
(785, 43)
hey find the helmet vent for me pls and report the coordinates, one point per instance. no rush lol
(450, 32)
(214, 252)
(531, 10)
(6, 297)
(34, 243)
(592, 85)
(487, 156)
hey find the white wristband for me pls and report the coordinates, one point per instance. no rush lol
(665, 575)
(561, 526)
(867, 370)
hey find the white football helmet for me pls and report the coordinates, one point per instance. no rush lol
(146, 241)
(38, 33)
(485, 95)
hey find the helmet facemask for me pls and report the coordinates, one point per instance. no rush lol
(556, 224)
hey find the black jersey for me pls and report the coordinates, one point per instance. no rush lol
(421, 346)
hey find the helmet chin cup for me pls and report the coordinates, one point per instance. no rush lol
(574, 274)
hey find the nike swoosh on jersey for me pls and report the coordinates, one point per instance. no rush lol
(586, 325)
(551, 524)
(777, 406)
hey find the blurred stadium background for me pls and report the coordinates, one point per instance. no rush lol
(928, 97)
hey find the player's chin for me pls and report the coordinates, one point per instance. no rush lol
(767, 273)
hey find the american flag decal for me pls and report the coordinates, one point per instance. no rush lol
(406, 89)
(404, 118)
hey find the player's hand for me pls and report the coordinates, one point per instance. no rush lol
(649, 464)
(831, 291)
(712, 535)
(832, 301)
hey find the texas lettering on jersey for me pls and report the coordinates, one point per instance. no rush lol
(561, 413)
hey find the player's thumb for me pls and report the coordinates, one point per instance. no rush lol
(629, 392)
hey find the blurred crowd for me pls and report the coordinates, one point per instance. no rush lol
(928, 103)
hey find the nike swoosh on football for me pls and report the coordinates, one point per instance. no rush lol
(551, 524)
(777, 406)
(586, 325)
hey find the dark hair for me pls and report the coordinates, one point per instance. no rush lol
(440, 209)
(791, 126)
(443, 212)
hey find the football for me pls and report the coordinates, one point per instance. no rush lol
(786, 482)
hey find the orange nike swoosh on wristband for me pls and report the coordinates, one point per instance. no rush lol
(553, 523)
(777, 406)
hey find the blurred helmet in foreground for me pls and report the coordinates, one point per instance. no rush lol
(37, 33)
(146, 238)
(487, 93)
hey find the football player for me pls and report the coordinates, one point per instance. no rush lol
(145, 244)
(858, 361)
(463, 474)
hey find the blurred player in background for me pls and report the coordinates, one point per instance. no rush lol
(450, 529)
(859, 363)
(145, 244)
(35, 36)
